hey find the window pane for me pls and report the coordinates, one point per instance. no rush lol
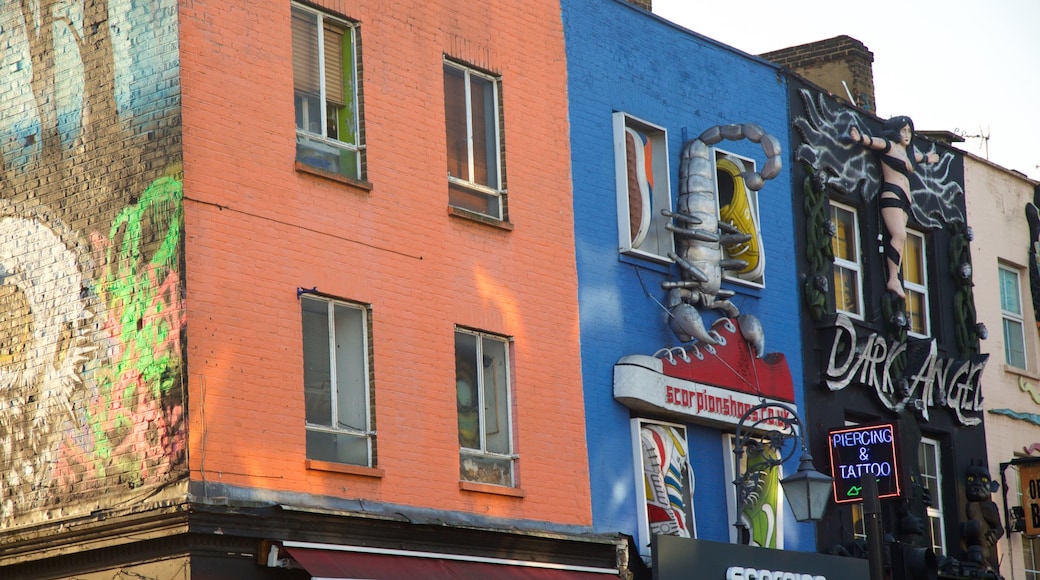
(466, 386)
(474, 200)
(915, 310)
(846, 289)
(496, 395)
(351, 383)
(305, 52)
(913, 260)
(334, 78)
(928, 463)
(859, 525)
(455, 122)
(666, 478)
(1009, 298)
(486, 469)
(1014, 343)
(1031, 557)
(485, 143)
(844, 242)
(317, 368)
(337, 447)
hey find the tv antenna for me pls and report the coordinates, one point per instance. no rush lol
(983, 135)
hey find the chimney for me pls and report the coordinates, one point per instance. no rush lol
(841, 65)
(644, 4)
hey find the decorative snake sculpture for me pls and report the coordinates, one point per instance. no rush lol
(700, 236)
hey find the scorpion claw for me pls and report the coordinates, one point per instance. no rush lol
(687, 324)
(751, 328)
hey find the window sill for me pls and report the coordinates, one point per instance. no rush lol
(358, 183)
(344, 468)
(479, 217)
(646, 260)
(1021, 372)
(489, 488)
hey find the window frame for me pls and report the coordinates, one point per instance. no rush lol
(844, 264)
(656, 241)
(336, 428)
(351, 77)
(748, 165)
(729, 442)
(934, 513)
(505, 406)
(1012, 317)
(1031, 557)
(920, 289)
(494, 193)
(636, 426)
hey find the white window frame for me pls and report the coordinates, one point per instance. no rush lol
(745, 164)
(934, 512)
(636, 425)
(357, 385)
(920, 289)
(506, 405)
(1031, 557)
(495, 190)
(321, 140)
(856, 267)
(1011, 317)
(652, 240)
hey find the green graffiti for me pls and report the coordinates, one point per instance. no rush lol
(141, 290)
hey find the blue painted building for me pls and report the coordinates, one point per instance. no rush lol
(641, 88)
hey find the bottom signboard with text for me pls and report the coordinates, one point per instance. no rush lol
(677, 558)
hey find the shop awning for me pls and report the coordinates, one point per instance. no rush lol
(351, 565)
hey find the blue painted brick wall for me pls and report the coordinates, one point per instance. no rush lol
(621, 58)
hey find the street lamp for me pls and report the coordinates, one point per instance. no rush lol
(807, 490)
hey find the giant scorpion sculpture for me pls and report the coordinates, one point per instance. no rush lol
(700, 237)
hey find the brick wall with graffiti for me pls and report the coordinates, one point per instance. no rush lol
(91, 277)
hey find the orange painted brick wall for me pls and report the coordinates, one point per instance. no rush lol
(256, 229)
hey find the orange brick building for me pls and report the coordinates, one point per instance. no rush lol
(299, 346)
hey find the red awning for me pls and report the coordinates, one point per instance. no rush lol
(335, 564)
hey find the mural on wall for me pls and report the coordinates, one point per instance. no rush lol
(722, 372)
(91, 289)
(761, 510)
(884, 168)
(700, 236)
(667, 477)
(826, 146)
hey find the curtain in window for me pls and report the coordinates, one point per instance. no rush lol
(305, 57)
(305, 52)
(334, 92)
